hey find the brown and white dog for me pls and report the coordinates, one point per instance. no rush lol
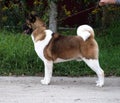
(53, 48)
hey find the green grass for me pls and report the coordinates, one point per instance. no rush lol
(17, 55)
(109, 44)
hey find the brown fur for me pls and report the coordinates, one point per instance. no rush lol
(39, 34)
(67, 47)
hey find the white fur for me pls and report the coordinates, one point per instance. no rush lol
(84, 31)
(40, 45)
(94, 65)
(39, 48)
(59, 60)
(48, 72)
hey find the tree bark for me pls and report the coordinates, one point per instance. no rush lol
(53, 17)
(106, 17)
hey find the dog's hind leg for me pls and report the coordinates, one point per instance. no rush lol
(94, 65)
(48, 72)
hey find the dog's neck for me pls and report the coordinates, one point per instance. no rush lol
(41, 37)
(39, 34)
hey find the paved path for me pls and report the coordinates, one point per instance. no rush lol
(61, 90)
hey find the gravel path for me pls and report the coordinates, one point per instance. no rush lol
(61, 90)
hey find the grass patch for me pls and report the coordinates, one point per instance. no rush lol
(109, 44)
(17, 55)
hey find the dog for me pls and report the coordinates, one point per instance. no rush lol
(54, 48)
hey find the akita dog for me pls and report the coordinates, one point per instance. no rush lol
(53, 48)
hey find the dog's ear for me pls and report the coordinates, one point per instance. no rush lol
(26, 14)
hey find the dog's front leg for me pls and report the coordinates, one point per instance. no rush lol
(48, 72)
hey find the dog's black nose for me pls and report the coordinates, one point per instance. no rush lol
(24, 27)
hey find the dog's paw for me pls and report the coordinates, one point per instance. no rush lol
(45, 81)
(99, 83)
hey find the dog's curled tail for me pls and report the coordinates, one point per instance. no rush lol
(85, 31)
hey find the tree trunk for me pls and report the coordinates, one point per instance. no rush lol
(53, 17)
(106, 17)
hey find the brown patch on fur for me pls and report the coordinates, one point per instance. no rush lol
(89, 49)
(39, 34)
(67, 47)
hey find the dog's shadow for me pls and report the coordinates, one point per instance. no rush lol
(66, 81)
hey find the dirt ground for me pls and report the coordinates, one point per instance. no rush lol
(61, 90)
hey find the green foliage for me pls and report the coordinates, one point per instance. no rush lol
(12, 13)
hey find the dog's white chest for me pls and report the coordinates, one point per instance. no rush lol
(40, 45)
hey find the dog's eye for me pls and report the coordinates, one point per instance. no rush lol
(32, 18)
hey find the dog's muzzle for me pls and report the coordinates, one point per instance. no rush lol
(27, 30)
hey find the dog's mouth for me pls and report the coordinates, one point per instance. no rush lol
(27, 30)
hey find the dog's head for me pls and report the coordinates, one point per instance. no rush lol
(33, 22)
